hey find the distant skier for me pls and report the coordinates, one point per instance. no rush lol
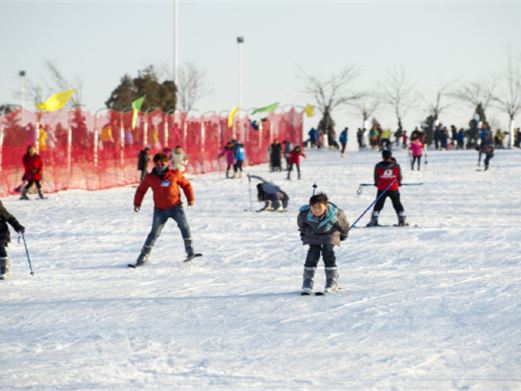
(275, 155)
(240, 155)
(343, 138)
(5, 238)
(322, 226)
(179, 159)
(416, 148)
(274, 198)
(142, 162)
(33, 172)
(294, 160)
(229, 153)
(165, 184)
(388, 173)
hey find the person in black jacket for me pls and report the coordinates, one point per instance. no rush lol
(142, 162)
(5, 238)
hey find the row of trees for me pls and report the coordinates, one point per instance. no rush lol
(157, 84)
(399, 93)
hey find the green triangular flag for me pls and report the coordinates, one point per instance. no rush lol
(269, 108)
(136, 105)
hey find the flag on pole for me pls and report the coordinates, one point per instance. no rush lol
(136, 106)
(231, 116)
(270, 108)
(309, 110)
(56, 101)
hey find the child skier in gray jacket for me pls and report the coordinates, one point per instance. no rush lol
(322, 225)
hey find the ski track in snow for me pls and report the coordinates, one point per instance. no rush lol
(434, 307)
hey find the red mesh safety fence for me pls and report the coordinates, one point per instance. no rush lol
(92, 152)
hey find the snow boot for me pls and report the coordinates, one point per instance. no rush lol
(331, 280)
(40, 194)
(307, 283)
(402, 219)
(374, 220)
(189, 248)
(24, 194)
(143, 256)
(4, 268)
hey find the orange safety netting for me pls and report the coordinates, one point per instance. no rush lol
(92, 152)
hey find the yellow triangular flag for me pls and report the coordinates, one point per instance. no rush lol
(231, 116)
(309, 110)
(56, 101)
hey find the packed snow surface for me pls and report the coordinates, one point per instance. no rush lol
(435, 306)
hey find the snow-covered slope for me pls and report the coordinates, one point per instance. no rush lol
(436, 306)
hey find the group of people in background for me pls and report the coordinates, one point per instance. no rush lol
(235, 155)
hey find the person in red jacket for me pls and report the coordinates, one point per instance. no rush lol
(165, 184)
(294, 159)
(388, 175)
(33, 172)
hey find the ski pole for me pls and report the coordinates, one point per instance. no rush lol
(249, 191)
(372, 203)
(314, 188)
(27, 253)
(362, 185)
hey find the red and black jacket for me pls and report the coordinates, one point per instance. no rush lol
(385, 173)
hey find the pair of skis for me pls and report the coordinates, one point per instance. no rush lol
(188, 259)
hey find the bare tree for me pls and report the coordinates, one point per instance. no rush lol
(59, 82)
(191, 86)
(436, 106)
(476, 93)
(398, 92)
(509, 100)
(366, 106)
(331, 93)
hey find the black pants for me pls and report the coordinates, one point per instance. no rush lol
(237, 166)
(488, 156)
(343, 148)
(328, 255)
(290, 168)
(416, 159)
(394, 195)
(29, 185)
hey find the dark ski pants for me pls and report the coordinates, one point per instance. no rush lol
(416, 159)
(328, 255)
(158, 222)
(488, 156)
(4, 260)
(394, 195)
(343, 149)
(290, 168)
(237, 166)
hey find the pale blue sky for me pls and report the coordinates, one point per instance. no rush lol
(100, 41)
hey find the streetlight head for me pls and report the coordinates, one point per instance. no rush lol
(240, 39)
(21, 73)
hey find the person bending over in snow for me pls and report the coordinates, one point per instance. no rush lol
(322, 226)
(165, 184)
(273, 197)
(5, 238)
(388, 175)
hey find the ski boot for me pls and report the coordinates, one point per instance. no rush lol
(331, 280)
(402, 220)
(40, 194)
(307, 283)
(4, 268)
(374, 220)
(142, 260)
(24, 194)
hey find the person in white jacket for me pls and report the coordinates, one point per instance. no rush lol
(179, 159)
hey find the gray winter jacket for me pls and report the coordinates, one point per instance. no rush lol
(331, 229)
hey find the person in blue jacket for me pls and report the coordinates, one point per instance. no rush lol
(343, 140)
(240, 155)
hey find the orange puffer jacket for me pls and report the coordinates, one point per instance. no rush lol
(165, 189)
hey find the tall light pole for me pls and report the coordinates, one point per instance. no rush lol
(22, 79)
(176, 41)
(240, 41)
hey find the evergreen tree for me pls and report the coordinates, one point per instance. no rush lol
(158, 95)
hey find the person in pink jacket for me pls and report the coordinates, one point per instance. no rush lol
(416, 148)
